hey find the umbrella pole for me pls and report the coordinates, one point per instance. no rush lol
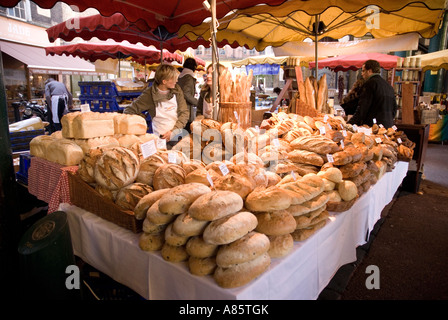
(119, 68)
(316, 32)
(214, 62)
(161, 52)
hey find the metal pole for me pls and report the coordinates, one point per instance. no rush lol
(214, 61)
(315, 46)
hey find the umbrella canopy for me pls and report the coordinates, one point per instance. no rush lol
(434, 60)
(118, 28)
(93, 51)
(355, 61)
(294, 21)
(169, 13)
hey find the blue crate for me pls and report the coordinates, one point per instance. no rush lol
(97, 89)
(101, 105)
(24, 165)
(20, 141)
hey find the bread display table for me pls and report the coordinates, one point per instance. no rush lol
(301, 275)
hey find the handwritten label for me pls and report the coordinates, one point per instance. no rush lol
(148, 148)
(399, 140)
(342, 144)
(330, 158)
(394, 127)
(85, 107)
(322, 130)
(378, 140)
(210, 180)
(224, 169)
(171, 157)
(161, 143)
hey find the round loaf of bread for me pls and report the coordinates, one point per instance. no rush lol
(180, 197)
(191, 165)
(173, 253)
(202, 266)
(151, 242)
(128, 196)
(230, 228)
(198, 176)
(275, 223)
(148, 167)
(281, 245)
(197, 247)
(168, 175)
(146, 202)
(234, 182)
(187, 226)
(347, 190)
(268, 199)
(106, 193)
(154, 215)
(86, 167)
(116, 167)
(243, 273)
(246, 248)
(215, 205)
(152, 228)
(273, 178)
(174, 239)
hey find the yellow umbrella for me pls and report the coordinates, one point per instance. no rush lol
(434, 60)
(263, 25)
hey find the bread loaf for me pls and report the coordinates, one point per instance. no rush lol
(202, 266)
(39, 146)
(87, 144)
(347, 190)
(317, 144)
(312, 217)
(307, 157)
(141, 209)
(174, 239)
(148, 167)
(116, 168)
(333, 174)
(106, 193)
(130, 124)
(185, 225)
(92, 124)
(152, 228)
(275, 223)
(230, 228)
(304, 189)
(154, 215)
(67, 124)
(151, 242)
(246, 248)
(243, 273)
(280, 245)
(65, 152)
(215, 205)
(235, 183)
(197, 247)
(198, 176)
(268, 199)
(128, 196)
(191, 165)
(305, 233)
(174, 253)
(168, 175)
(86, 168)
(179, 199)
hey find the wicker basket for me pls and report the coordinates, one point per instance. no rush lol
(84, 196)
(340, 206)
(243, 109)
(304, 109)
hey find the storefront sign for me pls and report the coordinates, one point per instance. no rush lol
(21, 32)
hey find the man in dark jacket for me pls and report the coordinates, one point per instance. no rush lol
(187, 82)
(377, 99)
(58, 100)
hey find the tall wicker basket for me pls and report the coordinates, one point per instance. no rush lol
(243, 109)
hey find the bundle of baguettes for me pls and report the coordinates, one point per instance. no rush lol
(309, 90)
(235, 91)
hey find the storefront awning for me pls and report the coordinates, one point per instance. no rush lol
(38, 62)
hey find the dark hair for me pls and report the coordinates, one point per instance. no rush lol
(372, 65)
(277, 90)
(190, 63)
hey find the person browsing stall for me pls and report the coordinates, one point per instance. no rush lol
(165, 103)
(187, 82)
(205, 105)
(377, 99)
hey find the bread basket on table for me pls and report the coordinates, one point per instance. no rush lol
(84, 196)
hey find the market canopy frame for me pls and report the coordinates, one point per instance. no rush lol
(355, 61)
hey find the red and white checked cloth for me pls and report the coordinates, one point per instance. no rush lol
(48, 181)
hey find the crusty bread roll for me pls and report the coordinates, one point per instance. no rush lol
(191, 165)
(347, 190)
(268, 199)
(141, 209)
(154, 215)
(174, 253)
(116, 168)
(273, 178)
(168, 175)
(197, 247)
(198, 176)
(230, 228)
(304, 188)
(86, 168)
(312, 217)
(128, 196)
(243, 273)
(333, 174)
(179, 199)
(275, 223)
(152, 228)
(215, 205)
(148, 167)
(151, 242)
(202, 266)
(246, 248)
(174, 239)
(280, 245)
(185, 225)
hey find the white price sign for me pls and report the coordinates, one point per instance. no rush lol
(330, 158)
(148, 148)
(224, 169)
(161, 143)
(171, 157)
(85, 107)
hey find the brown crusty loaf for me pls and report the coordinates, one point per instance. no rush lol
(129, 124)
(152, 228)
(202, 266)
(268, 199)
(117, 167)
(148, 167)
(243, 273)
(128, 196)
(179, 199)
(215, 205)
(197, 247)
(308, 219)
(317, 144)
(191, 165)
(303, 234)
(141, 209)
(275, 223)
(174, 253)
(168, 175)
(185, 225)
(154, 215)
(151, 242)
(87, 144)
(199, 176)
(304, 189)
(280, 245)
(306, 157)
(246, 248)
(174, 239)
(230, 228)
(308, 206)
(86, 167)
(234, 182)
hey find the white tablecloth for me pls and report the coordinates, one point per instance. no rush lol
(301, 275)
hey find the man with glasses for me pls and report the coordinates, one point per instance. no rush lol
(377, 102)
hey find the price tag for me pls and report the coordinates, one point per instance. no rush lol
(374, 120)
(85, 107)
(342, 144)
(342, 127)
(210, 180)
(330, 158)
(399, 140)
(385, 135)
(236, 117)
(148, 148)
(171, 157)
(322, 130)
(224, 169)
(381, 126)
(344, 133)
(293, 175)
(161, 143)
(326, 118)
(355, 128)
(378, 140)
(394, 127)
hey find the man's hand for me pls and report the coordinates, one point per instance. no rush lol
(166, 135)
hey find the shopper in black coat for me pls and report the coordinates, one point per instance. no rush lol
(377, 99)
